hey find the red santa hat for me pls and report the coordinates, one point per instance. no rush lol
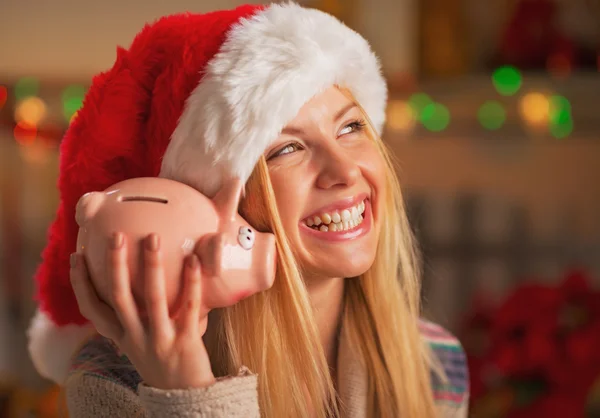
(195, 98)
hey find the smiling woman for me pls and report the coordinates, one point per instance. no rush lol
(199, 99)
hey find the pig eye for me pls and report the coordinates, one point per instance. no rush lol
(246, 238)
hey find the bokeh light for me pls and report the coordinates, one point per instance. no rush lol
(563, 129)
(26, 87)
(31, 111)
(435, 117)
(401, 116)
(560, 118)
(25, 133)
(491, 115)
(72, 99)
(3, 96)
(418, 102)
(507, 80)
(535, 108)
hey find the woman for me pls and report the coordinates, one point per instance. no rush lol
(292, 101)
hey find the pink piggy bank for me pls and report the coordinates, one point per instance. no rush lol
(236, 260)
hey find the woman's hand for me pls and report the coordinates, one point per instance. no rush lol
(168, 353)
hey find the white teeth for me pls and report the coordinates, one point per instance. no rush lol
(346, 215)
(336, 218)
(338, 221)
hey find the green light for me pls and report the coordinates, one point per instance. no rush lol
(561, 120)
(435, 117)
(507, 80)
(491, 115)
(418, 102)
(559, 107)
(72, 98)
(26, 87)
(71, 106)
(563, 129)
(73, 91)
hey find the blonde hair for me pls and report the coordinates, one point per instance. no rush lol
(275, 335)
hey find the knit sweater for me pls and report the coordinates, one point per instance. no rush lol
(104, 384)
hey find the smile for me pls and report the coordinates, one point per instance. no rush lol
(338, 220)
(340, 223)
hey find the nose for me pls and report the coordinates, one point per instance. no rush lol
(338, 168)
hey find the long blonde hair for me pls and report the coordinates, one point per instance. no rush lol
(274, 333)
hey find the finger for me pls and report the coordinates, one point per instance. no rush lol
(120, 287)
(91, 307)
(192, 295)
(155, 294)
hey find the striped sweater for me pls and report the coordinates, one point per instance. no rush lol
(104, 384)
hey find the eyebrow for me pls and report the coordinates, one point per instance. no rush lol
(340, 113)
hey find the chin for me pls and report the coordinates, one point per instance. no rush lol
(355, 268)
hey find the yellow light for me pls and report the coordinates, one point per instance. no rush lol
(401, 116)
(31, 111)
(535, 108)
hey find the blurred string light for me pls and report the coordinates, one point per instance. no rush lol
(491, 115)
(31, 110)
(507, 80)
(435, 117)
(72, 100)
(401, 116)
(418, 102)
(26, 87)
(535, 109)
(25, 133)
(3, 96)
(560, 117)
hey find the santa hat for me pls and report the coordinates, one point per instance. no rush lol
(196, 98)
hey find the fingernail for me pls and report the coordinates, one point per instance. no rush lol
(117, 240)
(73, 260)
(152, 242)
(192, 261)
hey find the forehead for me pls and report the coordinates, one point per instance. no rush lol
(322, 106)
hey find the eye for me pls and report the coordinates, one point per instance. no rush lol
(354, 126)
(288, 149)
(246, 238)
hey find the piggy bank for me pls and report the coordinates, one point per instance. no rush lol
(236, 260)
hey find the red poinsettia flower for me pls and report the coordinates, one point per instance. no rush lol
(553, 405)
(523, 331)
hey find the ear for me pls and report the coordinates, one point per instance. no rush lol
(227, 199)
(87, 206)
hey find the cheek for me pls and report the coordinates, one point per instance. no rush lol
(373, 167)
(290, 192)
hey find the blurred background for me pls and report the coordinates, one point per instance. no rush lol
(494, 118)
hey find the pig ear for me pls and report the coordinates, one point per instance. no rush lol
(87, 206)
(227, 200)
